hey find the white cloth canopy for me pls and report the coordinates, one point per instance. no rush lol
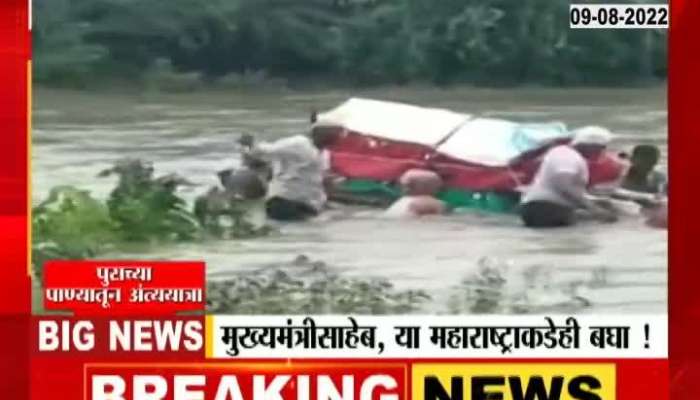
(496, 142)
(394, 121)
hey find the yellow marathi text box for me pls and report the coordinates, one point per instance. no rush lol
(513, 381)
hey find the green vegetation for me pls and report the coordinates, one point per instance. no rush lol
(145, 208)
(308, 287)
(183, 44)
(70, 224)
(304, 286)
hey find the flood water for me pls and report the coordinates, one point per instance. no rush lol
(623, 266)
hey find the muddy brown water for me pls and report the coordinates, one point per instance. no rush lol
(623, 267)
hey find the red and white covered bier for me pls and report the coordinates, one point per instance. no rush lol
(381, 140)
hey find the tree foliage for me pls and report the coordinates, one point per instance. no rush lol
(353, 41)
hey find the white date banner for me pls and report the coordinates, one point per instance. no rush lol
(619, 16)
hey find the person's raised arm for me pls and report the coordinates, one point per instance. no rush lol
(264, 151)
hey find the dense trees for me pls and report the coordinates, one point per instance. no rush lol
(81, 42)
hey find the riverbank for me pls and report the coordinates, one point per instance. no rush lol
(187, 83)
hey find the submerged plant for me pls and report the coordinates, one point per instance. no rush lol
(496, 287)
(308, 287)
(485, 289)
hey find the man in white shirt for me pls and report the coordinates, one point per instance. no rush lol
(296, 190)
(559, 189)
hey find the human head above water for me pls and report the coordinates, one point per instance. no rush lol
(323, 136)
(243, 184)
(645, 157)
(591, 141)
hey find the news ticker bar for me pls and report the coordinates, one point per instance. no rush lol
(354, 337)
(619, 16)
(352, 381)
(482, 336)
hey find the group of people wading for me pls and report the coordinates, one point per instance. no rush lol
(295, 171)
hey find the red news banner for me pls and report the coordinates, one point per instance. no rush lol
(106, 289)
(124, 287)
(101, 354)
(249, 381)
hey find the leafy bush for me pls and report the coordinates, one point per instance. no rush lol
(145, 208)
(69, 224)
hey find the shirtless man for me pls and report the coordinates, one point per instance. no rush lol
(642, 175)
(419, 187)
